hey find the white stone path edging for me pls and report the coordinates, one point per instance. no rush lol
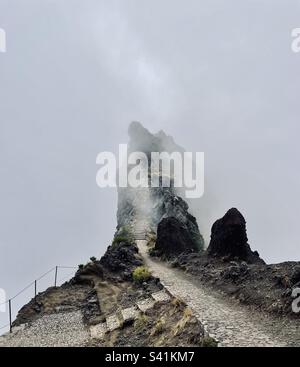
(230, 326)
(66, 329)
(116, 320)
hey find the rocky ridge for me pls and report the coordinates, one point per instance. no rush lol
(156, 285)
(109, 302)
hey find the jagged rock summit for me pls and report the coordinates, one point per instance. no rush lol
(140, 139)
(159, 207)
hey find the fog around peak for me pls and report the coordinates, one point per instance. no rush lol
(219, 77)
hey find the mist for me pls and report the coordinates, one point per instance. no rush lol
(220, 77)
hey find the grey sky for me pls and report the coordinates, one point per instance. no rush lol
(219, 76)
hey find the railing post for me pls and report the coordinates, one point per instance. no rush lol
(35, 290)
(10, 326)
(55, 280)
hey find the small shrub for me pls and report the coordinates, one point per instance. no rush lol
(208, 342)
(119, 239)
(152, 252)
(93, 259)
(177, 302)
(159, 327)
(141, 274)
(141, 322)
(80, 266)
(187, 312)
(124, 234)
(151, 239)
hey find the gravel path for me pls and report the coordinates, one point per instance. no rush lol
(229, 323)
(55, 330)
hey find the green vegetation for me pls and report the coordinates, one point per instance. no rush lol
(119, 239)
(152, 252)
(208, 342)
(177, 303)
(141, 322)
(141, 274)
(159, 327)
(93, 259)
(124, 234)
(151, 239)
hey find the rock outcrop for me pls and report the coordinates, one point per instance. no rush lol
(155, 205)
(105, 306)
(173, 238)
(229, 239)
(174, 217)
(121, 258)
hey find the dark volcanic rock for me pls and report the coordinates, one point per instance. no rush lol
(229, 239)
(168, 205)
(118, 262)
(92, 268)
(121, 258)
(174, 238)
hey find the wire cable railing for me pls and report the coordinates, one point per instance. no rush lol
(35, 284)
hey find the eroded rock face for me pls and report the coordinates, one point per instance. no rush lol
(229, 239)
(173, 238)
(168, 205)
(154, 204)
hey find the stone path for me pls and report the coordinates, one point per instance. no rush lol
(229, 323)
(56, 330)
(66, 329)
(140, 230)
(117, 320)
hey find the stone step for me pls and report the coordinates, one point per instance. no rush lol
(113, 322)
(161, 296)
(129, 314)
(146, 304)
(98, 331)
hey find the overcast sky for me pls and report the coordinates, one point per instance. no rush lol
(217, 75)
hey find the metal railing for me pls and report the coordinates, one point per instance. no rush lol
(35, 285)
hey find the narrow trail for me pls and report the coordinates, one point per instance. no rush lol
(229, 323)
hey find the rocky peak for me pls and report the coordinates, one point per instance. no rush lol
(140, 139)
(154, 205)
(229, 239)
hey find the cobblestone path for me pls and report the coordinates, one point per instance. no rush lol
(55, 330)
(229, 323)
